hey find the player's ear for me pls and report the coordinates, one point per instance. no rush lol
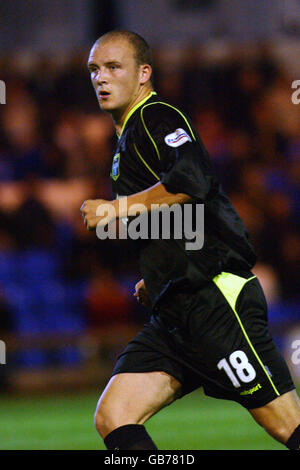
(145, 73)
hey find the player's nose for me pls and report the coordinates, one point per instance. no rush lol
(101, 77)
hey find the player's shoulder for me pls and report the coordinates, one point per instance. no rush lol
(157, 113)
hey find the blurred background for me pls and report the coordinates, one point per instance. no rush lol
(66, 298)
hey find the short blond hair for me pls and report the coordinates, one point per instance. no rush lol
(142, 50)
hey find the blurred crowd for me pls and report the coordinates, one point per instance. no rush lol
(55, 152)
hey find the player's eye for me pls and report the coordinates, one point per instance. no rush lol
(113, 66)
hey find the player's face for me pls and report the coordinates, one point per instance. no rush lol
(114, 74)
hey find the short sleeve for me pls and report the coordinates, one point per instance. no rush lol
(184, 165)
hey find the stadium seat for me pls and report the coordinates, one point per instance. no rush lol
(37, 265)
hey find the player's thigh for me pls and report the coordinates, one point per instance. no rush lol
(281, 416)
(243, 363)
(132, 398)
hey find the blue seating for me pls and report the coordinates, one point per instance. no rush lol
(38, 264)
(9, 267)
(46, 307)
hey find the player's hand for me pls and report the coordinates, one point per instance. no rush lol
(142, 294)
(90, 208)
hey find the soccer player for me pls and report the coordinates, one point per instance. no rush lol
(208, 326)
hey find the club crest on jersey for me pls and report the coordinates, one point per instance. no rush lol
(177, 138)
(115, 169)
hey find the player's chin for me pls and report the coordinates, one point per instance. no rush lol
(105, 105)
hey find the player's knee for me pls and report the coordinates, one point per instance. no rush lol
(280, 433)
(107, 418)
(103, 421)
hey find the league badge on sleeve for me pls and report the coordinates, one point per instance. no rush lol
(177, 138)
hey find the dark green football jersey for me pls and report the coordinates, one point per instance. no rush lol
(159, 143)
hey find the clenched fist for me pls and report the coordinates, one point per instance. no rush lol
(97, 212)
(142, 294)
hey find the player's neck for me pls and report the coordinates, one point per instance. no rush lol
(120, 118)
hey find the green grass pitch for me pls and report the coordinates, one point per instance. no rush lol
(65, 422)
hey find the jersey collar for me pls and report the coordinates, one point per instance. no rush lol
(140, 103)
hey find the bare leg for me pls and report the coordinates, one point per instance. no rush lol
(132, 398)
(280, 417)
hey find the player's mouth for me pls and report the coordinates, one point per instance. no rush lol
(103, 95)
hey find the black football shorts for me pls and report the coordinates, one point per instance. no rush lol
(216, 338)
